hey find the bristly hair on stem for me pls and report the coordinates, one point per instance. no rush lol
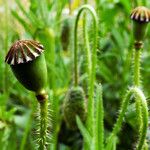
(139, 95)
(43, 125)
(43, 118)
(28, 64)
(92, 60)
(140, 16)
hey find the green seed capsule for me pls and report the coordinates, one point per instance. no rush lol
(74, 104)
(140, 16)
(65, 34)
(28, 64)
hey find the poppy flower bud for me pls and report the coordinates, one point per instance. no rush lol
(65, 33)
(74, 104)
(28, 64)
(140, 16)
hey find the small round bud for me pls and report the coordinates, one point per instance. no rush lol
(140, 16)
(28, 64)
(74, 104)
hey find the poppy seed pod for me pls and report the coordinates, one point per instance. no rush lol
(74, 104)
(140, 16)
(28, 64)
(65, 33)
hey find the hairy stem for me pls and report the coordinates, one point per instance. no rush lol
(43, 124)
(117, 126)
(93, 60)
(136, 76)
(87, 47)
(137, 54)
(140, 96)
(99, 129)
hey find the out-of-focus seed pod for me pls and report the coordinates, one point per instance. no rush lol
(28, 64)
(65, 34)
(140, 16)
(74, 104)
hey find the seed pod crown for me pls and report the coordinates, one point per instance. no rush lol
(28, 64)
(141, 14)
(23, 51)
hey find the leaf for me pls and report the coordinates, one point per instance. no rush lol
(30, 16)
(84, 131)
(22, 22)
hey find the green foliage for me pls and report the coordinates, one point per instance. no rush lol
(42, 20)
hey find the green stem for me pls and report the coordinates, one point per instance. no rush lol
(93, 58)
(91, 10)
(138, 95)
(99, 129)
(142, 137)
(87, 48)
(136, 74)
(98, 4)
(137, 54)
(43, 124)
(117, 126)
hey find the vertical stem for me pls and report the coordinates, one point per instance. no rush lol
(137, 67)
(144, 119)
(43, 124)
(90, 115)
(87, 48)
(137, 54)
(75, 53)
(99, 129)
(92, 76)
(98, 3)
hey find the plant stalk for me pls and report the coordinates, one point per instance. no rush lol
(43, 124)
(99, 124)
(140, 96)
(137, 54)
(93, 60)
(136, 83)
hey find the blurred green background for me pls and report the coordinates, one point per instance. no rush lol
(51, 22)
